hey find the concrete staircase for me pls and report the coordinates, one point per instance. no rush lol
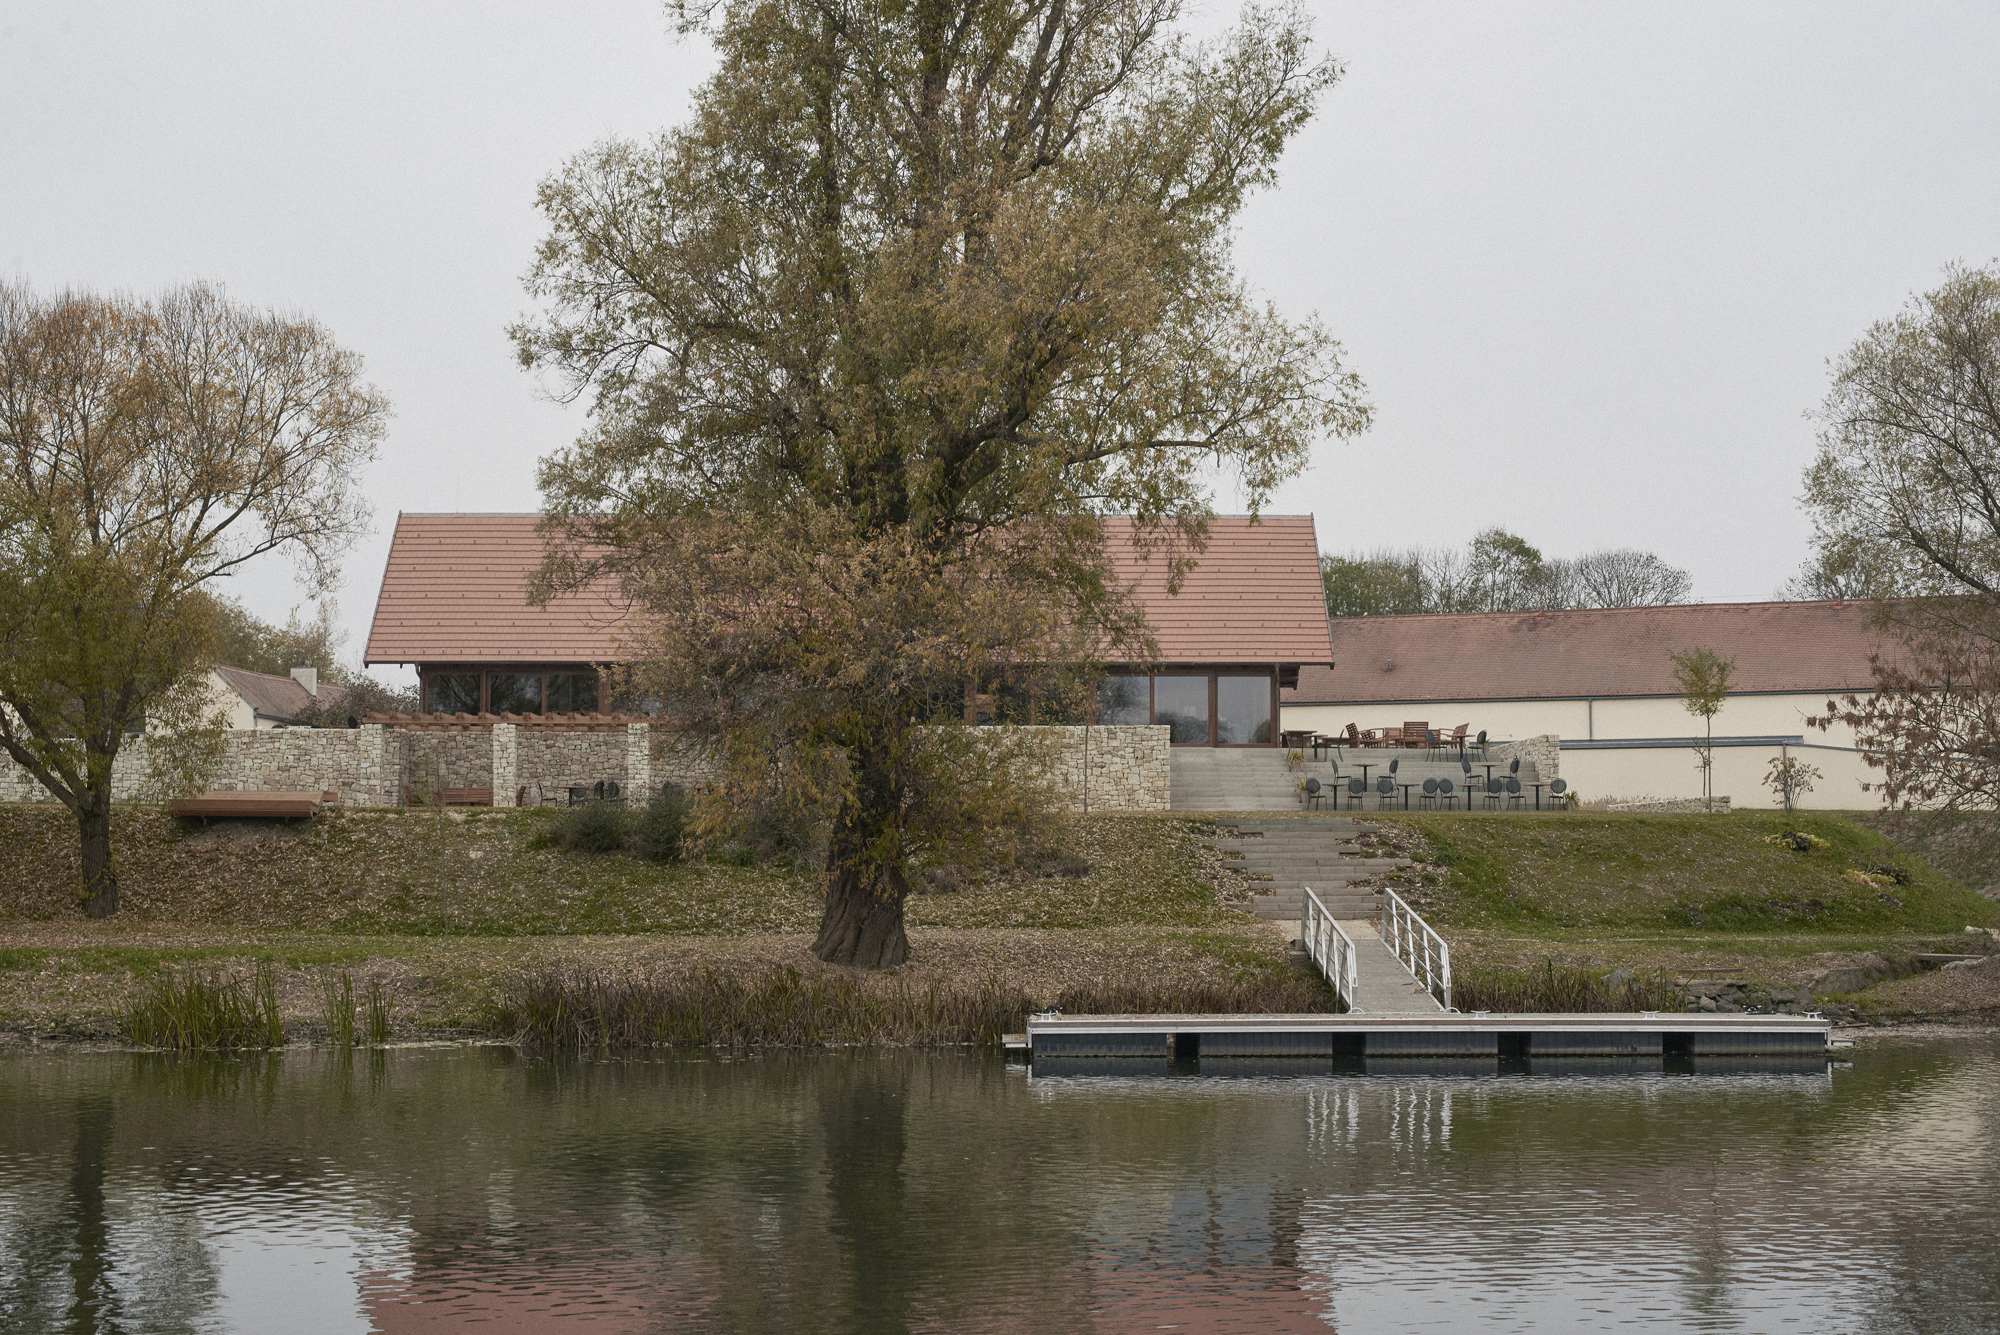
(1322, 852)
(1222, 779)
(1316, 851)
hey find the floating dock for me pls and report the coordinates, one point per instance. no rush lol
(1437, 1034)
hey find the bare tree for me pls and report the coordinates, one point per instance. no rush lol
(1624, 577)
(147, 449)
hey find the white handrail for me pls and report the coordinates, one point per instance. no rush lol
(1422, 951)
(1330, 948)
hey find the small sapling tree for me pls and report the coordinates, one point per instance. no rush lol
(1790, 778)
(1703, 676)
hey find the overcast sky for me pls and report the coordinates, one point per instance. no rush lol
(1590, 259)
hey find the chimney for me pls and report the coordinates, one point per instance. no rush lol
(307, 677)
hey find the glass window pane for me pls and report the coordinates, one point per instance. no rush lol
(453, 692)
(514, 693)
(1243, 710)
(1182, 704)
(573, 693)
(1124, 700)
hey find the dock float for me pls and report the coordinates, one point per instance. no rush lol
(1436, 1034)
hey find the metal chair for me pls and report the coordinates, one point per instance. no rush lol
(1515, 800)
(1479, 744)
(1445, 792)
(1494, 787)
(1515, 767)
(1429, 796)
(1357, 789)
(1312, 793)
(1385, 792)
(1556, 790)
(1392, 764)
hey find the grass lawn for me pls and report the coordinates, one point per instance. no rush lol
(442, 907)
(1664, 893)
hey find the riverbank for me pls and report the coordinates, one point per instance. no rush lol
(447, 911)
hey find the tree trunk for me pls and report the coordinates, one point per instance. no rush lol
(100, 874)
(865, 885)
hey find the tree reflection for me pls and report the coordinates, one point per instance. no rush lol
(862, 1106)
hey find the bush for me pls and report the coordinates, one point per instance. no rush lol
(597, 827)
(659, 829)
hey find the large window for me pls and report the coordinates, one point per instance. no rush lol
(572, 693)
(453, 692)
(1125, 700)
(513, 692)
(1182, 704)
(1243, 711)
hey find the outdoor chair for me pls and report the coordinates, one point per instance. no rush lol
(1429, 796)
(1480, 744)
(1515, 767)
(1494, 787)
(1416, 734)
(1456, 739)
(1392, 764)
(1515, 799)
(1556, 791)
(1385, 792)
(1445, 793)
(1357, 789)
(1354, 737)
(1312, 793)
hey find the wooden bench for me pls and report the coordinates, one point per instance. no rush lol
(230, 805)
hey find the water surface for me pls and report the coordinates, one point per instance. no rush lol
(478, 1189)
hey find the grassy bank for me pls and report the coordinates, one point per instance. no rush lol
(448, 913)
(1663, 895)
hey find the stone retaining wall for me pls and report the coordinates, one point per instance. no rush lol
(1676, 804)
(372, 765)
(1128, 768)
(1544, 752)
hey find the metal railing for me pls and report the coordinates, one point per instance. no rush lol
(1422, 951)
(1330, 948)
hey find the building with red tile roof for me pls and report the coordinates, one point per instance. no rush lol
(1246, 620)
(1603, 681)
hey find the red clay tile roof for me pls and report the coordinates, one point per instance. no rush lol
(1778, 647)
(455, 591)
(1254, 597)
(277, 697)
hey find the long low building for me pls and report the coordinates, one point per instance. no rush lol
(1603, 681)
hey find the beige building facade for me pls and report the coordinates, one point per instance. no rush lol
(1602, 681)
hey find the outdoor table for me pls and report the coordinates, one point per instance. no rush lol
(1406, 792)
(1489, 768)
(1366, 765)
(1299, 738)
(1538, 794)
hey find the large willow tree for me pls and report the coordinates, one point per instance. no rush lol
(917, 292)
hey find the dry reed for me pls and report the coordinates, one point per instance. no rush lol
(1551, 988)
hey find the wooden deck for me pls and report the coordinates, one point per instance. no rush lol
(1440, 1034)
(242, 805)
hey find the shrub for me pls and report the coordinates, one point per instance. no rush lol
(596, 827)
(659, 829)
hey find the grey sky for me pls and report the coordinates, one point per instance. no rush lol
(1591, 259)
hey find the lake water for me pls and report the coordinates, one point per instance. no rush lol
(474, 1188)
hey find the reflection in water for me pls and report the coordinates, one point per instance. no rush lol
(438, 1190)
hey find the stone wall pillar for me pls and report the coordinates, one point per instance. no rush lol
(506, 763)
(638, 762)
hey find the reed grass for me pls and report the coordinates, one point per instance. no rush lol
(1276, 994)
(1551, 988)
(207, 1008)
(580, 1007)
(378, 1014)
(337, 1000)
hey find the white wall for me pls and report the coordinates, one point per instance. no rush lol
(223, 696)
(1666, 772)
